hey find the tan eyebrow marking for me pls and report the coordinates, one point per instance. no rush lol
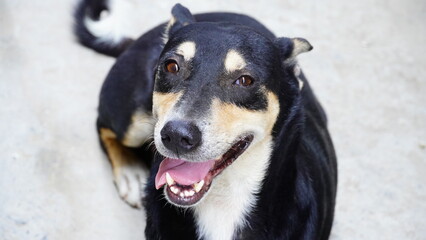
(187, 50)
(234, 61)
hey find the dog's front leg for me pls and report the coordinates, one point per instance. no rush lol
(129, 172)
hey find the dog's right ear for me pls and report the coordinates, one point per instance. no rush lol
(289, 48)
(181, 17)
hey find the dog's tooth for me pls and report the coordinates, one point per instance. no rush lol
(191, 193)
(198, 186)
(182, 195)
(174, 189)
(186, 192)
(169, 179)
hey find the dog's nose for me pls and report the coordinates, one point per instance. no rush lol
(180, 136)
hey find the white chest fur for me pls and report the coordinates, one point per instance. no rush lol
(232, 194)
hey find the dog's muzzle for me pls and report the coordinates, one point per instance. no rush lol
(186, 183)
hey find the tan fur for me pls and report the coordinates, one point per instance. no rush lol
(163, 102)
(234, 61)
(117, 153)
(230, 118)
(187, 50)
(139, 130)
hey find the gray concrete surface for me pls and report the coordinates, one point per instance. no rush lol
(367, 68)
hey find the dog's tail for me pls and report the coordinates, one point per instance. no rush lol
(97, 28)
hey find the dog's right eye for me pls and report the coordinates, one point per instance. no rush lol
(171, 66)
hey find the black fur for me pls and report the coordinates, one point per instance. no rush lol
(298, 194)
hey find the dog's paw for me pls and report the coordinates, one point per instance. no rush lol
(130, 181)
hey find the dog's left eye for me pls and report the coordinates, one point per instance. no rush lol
(244, 81)
(171, 66)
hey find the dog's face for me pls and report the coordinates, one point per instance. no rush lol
(215, 97)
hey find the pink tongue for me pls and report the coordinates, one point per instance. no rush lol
(184, 173)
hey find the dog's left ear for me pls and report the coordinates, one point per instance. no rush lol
(181, 17)
(291, 47)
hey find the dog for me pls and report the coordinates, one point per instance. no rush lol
(220, 114)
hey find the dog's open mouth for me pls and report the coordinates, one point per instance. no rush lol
(188, 182)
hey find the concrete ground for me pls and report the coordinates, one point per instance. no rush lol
(368, 69)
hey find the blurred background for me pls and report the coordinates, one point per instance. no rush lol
(367, 68)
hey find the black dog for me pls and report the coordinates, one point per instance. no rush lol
(243, 147)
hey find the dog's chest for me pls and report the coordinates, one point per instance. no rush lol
(219, 216)
(232, 197)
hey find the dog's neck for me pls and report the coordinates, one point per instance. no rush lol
(232, 196)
